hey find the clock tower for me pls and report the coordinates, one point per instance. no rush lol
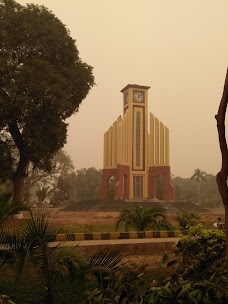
(135, 104)
(135, 157)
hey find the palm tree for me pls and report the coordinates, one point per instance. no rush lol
(6, 207)
(57, 262)
(42, 193)
(199, 176)
(141, 219)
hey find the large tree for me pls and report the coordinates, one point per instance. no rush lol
(43, 81)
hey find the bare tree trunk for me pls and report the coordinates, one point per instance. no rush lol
(19, 176)
(18, 181)
(223, 173)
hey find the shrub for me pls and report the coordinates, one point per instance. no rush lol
(186, 218)
(128, 284)
(201, 251)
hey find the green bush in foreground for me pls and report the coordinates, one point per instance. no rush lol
(197, 275)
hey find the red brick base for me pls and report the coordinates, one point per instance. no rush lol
(154, 172)
(122, 182)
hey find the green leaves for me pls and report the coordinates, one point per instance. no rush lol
(186, 218)
(6, 207)
(141, 219)
(43, 82)
(4, 299)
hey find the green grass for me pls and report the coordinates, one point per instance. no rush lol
(88, 228)
(100, 228)
(104, 228)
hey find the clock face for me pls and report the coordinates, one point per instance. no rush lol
(138, 96)
(125, 98)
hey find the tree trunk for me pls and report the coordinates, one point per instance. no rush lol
(22, 167)
(226, 233)
(18, 181)
(223, 174)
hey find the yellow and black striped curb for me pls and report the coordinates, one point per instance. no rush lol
(115, 235)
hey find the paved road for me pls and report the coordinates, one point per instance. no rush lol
(122, 241)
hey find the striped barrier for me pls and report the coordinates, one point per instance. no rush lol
(115, 235)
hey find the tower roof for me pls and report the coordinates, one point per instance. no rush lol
(135, 86)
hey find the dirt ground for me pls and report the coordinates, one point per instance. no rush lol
(81, 218)
(84, 217)
(90, 217)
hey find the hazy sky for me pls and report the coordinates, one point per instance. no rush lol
(177, 47)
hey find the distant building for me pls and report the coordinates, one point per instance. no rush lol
(136, 159)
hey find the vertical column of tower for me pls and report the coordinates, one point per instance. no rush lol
(159, 145)
(123, 141)
(151, 139)
(119, 134)
(166, 146)
(110, 147)
(162, 144)
(105, 150)
(114, 135)
(156, 142)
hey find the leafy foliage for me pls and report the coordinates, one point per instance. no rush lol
(43, 193)
(88, 183)
(56, 262)
(7, 208)
(43, 82)
(187, 218)
(201, 250)
(126, 285)
(196, 276)
(58, 178)
(4, 299)
(31, 244)
(187, 189)
(142, 219)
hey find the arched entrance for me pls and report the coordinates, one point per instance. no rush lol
(160, 187)
(111, 187)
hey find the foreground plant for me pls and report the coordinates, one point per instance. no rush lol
(127, 284)
(196, 275)
(57, 262)
(31, 244)
(141, 219)
(186, 218)
(4, 299)
(7, 208)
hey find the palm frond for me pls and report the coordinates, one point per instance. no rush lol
(102, 263)
(140, 218)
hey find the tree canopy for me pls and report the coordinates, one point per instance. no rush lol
(187, 189)
(88, 182)
(43, 82)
